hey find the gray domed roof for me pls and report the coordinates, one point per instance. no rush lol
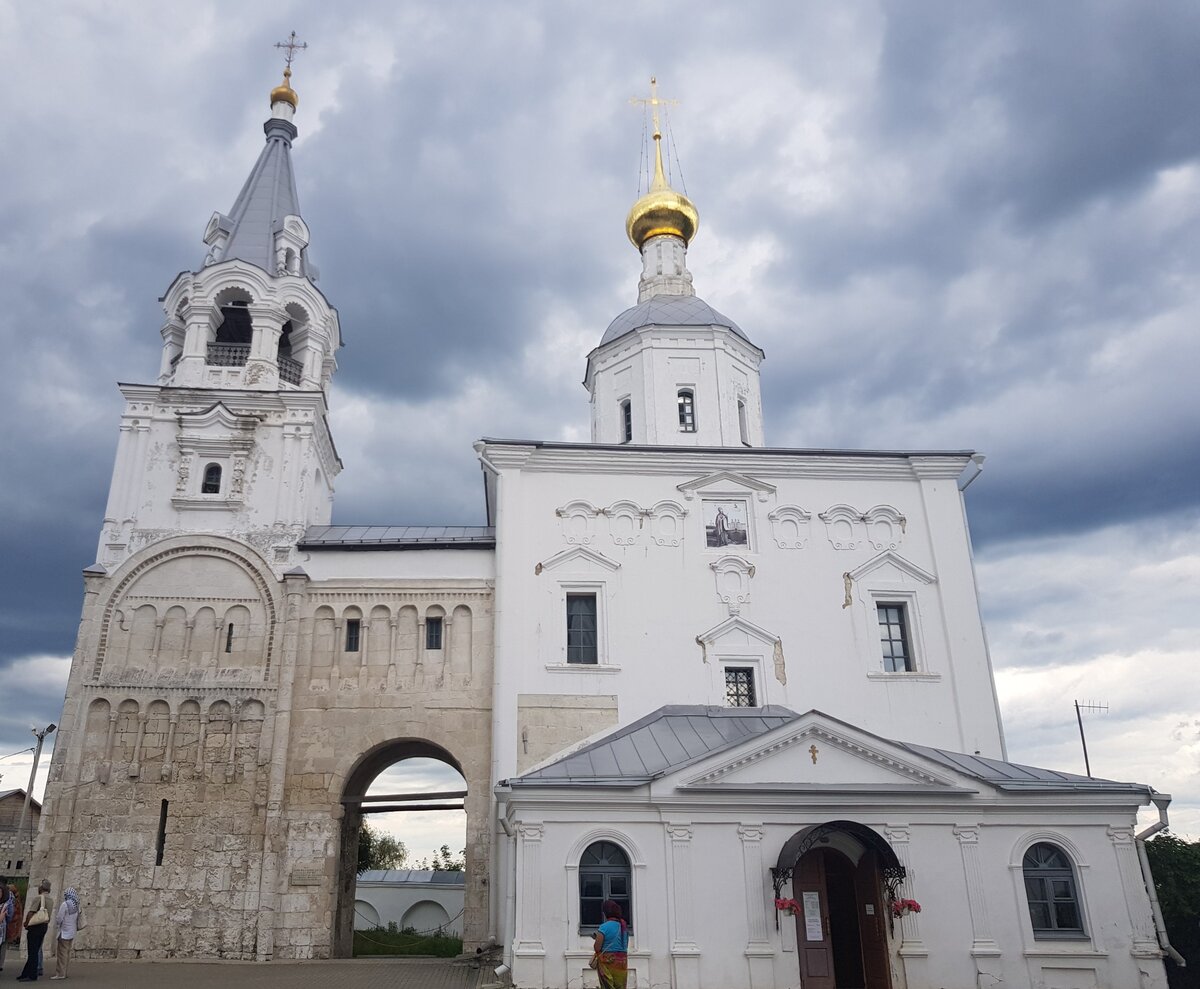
(669, 310)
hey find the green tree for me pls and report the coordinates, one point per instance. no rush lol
(1176, 867)
(443, 861)
(379, 850)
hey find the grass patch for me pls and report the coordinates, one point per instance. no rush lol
(385, 941)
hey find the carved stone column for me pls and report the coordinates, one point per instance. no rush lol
(168, 767)
(685, 953)
(135, 768)
(200, 743)
(760, 953)
(1145, 943)
(983, 945)
(393, 637)
(105, 772)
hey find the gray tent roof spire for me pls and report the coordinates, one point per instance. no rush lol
(248, 231)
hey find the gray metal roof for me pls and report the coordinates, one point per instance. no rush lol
(669, 310)
(410, 877)
(267, 197)
(659, 743)
(399, 537)
(1013, 775)
(672, 737)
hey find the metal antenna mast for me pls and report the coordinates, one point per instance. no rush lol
(1090, 706)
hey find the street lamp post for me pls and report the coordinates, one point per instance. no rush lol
(37, 754)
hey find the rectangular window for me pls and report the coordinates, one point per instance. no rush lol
(627, 421)
(161, 844)
(894, 639)
(353, 634)
(739, 686)
(582, 645)
(229, 637)
(687, 411)
(433, 633)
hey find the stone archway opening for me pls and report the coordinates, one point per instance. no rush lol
(413, 789)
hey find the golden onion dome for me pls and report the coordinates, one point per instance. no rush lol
(662, 210)
(284, 93)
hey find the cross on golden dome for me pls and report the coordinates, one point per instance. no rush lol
(284, 92)
(662, 210)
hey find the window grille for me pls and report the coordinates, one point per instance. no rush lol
(212, 480)
(433, 633)
(739, 686)
(353, 634)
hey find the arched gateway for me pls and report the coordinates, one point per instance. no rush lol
(356, 804)
(844, 876)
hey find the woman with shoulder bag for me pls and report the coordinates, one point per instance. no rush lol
(37, 922)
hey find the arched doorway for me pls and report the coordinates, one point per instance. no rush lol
(358, 803)
(841, 872)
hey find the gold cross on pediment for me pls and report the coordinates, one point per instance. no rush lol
(812, 751)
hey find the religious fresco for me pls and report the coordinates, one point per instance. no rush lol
(725, 524)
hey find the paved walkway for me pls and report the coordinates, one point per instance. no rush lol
(365, 973)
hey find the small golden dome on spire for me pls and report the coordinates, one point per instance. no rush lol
(284, 93)
(662, 210)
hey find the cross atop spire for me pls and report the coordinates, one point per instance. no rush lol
(290, 47)
(654, 101)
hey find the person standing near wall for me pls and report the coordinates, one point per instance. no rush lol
(67, 922)
(37, 921)
(6, 911)
(12, 935)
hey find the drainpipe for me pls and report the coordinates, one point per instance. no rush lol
(1160, 800)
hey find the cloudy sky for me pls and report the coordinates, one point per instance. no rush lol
(949, 224)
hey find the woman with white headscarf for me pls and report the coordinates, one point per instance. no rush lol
(67, 922)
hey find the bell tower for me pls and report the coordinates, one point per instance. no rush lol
(233, 438)
(672, 371)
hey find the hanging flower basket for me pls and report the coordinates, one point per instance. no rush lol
(902, 907)
(788, 906)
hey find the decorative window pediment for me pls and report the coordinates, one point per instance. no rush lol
(726, 482)
(895, 561)
(736, 626)
(219, 439)
(581, 557)
(844, 526)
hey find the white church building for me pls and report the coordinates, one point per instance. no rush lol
(743, 691)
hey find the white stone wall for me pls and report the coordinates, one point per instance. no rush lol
(629, 526)
(704, 914)
(651, 365)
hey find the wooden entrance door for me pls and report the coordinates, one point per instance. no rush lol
(842, 937)
(872, 922)
(813, 943)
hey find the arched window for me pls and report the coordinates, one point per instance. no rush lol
(687, 411)
(743, 425)
(604, 874)
(212, 480)
(627, 421)
(1051, 892)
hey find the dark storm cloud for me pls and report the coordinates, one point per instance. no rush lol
(948, 224)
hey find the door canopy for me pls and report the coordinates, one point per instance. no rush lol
(808, 838)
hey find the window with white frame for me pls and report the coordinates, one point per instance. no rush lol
(604, 874)
(1051, 893)
(626, 421)
(743, 423)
